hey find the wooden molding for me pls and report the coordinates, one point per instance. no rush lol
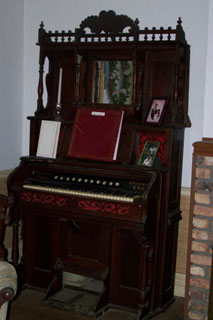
(180, 280)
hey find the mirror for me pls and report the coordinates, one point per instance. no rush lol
(113, 82)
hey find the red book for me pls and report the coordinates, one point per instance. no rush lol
(96, 134)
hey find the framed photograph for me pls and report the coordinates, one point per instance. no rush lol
(149, 153)
(157, 111)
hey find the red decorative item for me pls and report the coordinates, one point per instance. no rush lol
(44, 198)
(104, 207)
(143, 137)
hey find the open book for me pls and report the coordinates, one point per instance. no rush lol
(96, 134)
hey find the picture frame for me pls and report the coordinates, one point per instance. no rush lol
(149, 153)
(157, 111)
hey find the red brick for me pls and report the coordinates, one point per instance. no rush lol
(199, 234)
(203, 173)
(195, 316)
(203, 211)
(199, 160)
(197, 271)
(211, 236)
(198, 294)
(200, 283)
(200, 223)
(208, 161)
(209, 271)
(201, 260)
(204, 186)
(200, 307)
(202, 198)
(199, 246)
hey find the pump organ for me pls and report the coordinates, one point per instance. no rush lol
(115, 221)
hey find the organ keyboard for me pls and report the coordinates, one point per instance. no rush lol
(86, 186)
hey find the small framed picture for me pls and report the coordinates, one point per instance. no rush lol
(149, 153)
(157, 111)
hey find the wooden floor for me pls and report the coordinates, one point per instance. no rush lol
(29, 306)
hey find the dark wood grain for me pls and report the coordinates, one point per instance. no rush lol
(131, 248)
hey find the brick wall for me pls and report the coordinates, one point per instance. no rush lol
(199, 265)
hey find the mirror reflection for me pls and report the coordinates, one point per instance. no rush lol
(113, 82)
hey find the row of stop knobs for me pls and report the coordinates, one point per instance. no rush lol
(86, 180)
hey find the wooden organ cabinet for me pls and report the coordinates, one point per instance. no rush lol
(114, 221)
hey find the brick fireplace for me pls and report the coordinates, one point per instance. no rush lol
(199, 282)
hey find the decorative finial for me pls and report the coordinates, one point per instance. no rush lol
(180, 35)
(42, 25)
(179, 21)
(137, 21)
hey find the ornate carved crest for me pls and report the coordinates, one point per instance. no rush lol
(118, 23)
